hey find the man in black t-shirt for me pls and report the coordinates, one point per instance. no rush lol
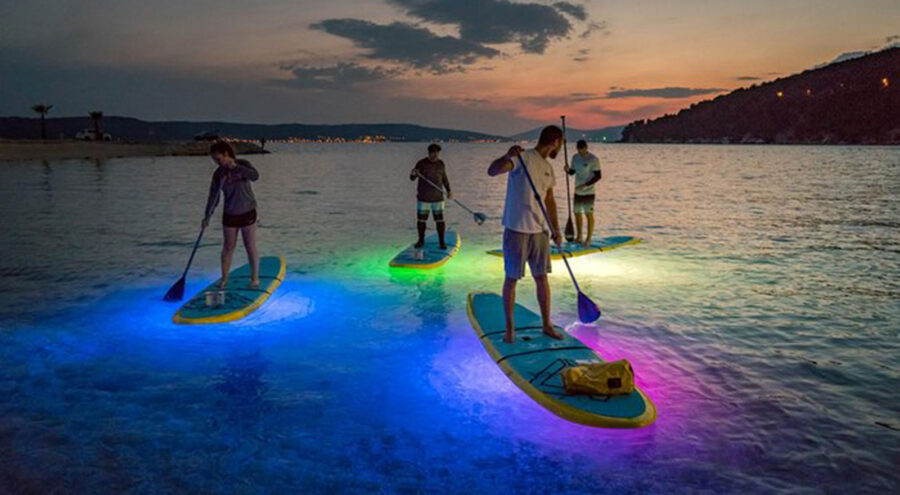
(433, 181)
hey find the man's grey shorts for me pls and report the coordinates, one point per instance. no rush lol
(519, 248)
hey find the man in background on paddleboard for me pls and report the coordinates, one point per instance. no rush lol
(586, 169)
(525, 236)
(432, 175)
(233, 178)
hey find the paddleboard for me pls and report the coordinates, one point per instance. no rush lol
(573, 249)
(240, 300)
(430, 255)
(535, 362)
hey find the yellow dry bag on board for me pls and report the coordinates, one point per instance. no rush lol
(613, 378)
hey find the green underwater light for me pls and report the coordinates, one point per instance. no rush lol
(469, 267)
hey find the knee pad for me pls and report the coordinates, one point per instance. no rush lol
(439, 217)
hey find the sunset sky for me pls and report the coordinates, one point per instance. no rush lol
(489, 65)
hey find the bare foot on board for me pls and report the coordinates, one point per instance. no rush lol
(552, 333)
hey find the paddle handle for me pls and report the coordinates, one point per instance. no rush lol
(537, 196)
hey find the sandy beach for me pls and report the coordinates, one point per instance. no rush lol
(58, 150)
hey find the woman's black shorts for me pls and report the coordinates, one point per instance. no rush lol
(238, 221)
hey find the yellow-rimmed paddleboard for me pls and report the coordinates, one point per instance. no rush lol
(535, 362)
(574, 250)
(430, 255)
(240, 300)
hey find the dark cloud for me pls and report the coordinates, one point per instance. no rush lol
(626, 116)
(576, 11)
(584, 96)
(475, 102)
(582, 55)
(532, 25)
(595, 27)
(400, 42)
(669, 92)
(747, 78)
(553, 100)
(340, 76)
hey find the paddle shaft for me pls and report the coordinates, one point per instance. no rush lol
(537, 196)
(200, 236)
(191, 259)
(566, 161)
(442, 189)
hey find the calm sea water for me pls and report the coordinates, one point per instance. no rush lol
(761, 313)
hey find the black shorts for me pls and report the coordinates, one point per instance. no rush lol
(238, 221)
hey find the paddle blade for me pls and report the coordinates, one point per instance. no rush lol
(480, 218)
(570, 230)
(176, 292)
(588, 311)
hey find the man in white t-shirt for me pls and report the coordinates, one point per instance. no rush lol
(586, 169)
(525, 237)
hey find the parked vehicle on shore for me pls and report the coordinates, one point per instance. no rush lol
(91, 135)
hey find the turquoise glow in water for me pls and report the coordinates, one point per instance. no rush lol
(761, 315)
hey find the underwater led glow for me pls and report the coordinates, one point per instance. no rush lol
(467, 379)
(470, 265)
(653, 375)
(288, 303)
(635, 268)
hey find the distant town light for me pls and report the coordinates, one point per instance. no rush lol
(808, 92)
(780, 94)
(885, 82)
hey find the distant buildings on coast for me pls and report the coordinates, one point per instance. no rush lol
(361, 139)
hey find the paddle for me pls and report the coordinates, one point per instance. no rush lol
(588, 311)
(570, 230)
(479, 217)
(176, 292)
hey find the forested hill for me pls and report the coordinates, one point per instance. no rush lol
(852, 102)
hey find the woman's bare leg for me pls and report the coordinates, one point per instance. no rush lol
(248, 233)
(228, 243)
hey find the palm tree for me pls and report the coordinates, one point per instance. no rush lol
(96, 116)
(43, 110)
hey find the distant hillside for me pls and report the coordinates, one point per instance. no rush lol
(851, 102)
(138, 130)
(595, 135)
